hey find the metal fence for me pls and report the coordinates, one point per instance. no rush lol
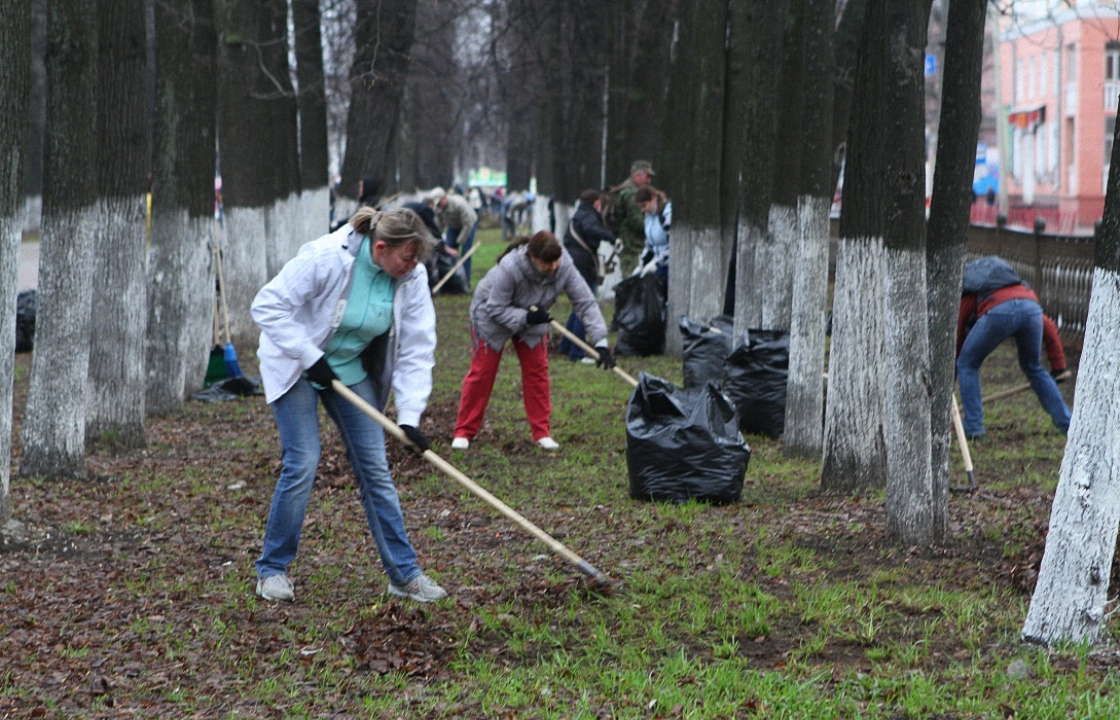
(1058, 267)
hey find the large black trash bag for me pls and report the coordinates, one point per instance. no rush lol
(231, 389)
(441, 264)
(683, 444)
(705, 348)
(755, 376)
(26, 304)
(639, 316)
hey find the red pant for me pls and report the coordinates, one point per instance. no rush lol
(480, 382)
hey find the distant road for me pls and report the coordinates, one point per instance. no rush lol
(28, 266)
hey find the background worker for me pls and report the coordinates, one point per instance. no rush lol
(658, 211)
(581, 239)
(996, 305)
(625, 218)
(352, 306)
(511, 303)
(459, 221)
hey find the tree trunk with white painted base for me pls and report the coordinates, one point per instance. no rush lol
(804, 428)
(916, 513)
(117, 378)
(180, 277)
(854, 445)
(1069, 600)
(54, 422)
(15, 88)
(854, 450)
(947, 229)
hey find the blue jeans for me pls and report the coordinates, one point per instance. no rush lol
(575, 325)
(297, 418)
(452, 239)
(1022, 319)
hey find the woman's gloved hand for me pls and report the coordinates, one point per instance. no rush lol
(536, 316)
(321, 373)
(606, 360)
(416, 438)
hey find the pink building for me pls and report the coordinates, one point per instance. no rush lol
(1059, 81)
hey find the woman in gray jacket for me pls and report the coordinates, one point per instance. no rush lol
(352, 306)
(511, 303)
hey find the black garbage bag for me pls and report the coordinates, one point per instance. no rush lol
(683, 444)
(705, 348)
(231, 389)
(639, 316)
(26, 304)
(442, 263)
(754, 377)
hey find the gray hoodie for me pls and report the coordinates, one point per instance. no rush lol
(502, 300)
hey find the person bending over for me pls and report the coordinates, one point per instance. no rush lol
(352, 306)
(511, 304)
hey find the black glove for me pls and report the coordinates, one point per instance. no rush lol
(417, 439)
(1061, 376)
(321, 373)
(606, 360)
(536, 316)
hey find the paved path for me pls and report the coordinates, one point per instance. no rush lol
(28, 266)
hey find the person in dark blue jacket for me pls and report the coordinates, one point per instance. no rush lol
(585, 231)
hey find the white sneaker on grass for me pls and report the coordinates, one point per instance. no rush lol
(548, 443)
(276, 587)
(421, 589)
(460, 443)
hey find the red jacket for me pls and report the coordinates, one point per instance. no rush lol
(972, 307)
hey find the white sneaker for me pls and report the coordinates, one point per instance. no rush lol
(421, 589)
(275, 587)
(548, 443)
(587, 361)
(460, 443)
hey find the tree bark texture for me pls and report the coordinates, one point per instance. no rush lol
(947, 228)
(117, 376)
(804, 430)
(15, 87)
(1069, 600)
(431, 104)
(763, 24)
(384, 38)
(916, 514)
(180, 273)
(854, 450)
(54, 422)
(640, 38)
(849, 32)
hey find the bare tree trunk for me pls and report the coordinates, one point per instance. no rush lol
(54, 422)
(15, 87)
(947, 229)
(312, 105)
(1070, 597)
(180, 278)
(916, 515)
(117, 377)
(384, 37)
(763, 23)
(804, 428)
(854, 450)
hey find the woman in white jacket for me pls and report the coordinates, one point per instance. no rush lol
(354, 306)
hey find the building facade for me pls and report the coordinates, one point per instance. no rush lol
(1058, 87)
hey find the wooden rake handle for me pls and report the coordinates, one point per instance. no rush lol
(958, 426)
(393, 429)
(455, 267)
(590, 351)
